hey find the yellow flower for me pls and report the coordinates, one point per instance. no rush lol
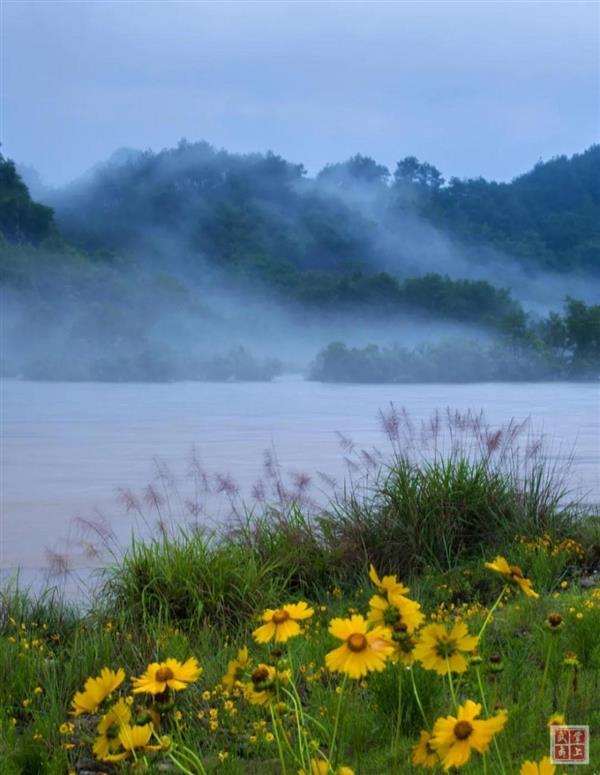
(513, 574)
(96, 690)
(398, 613)
(545, 767)
(109, 727)
(388, 584)
(556, 719)
(136, 736)
(235, 668)
(440, 650)
(281, 624)
(66, 728)
(455, 737)
(317, 767)
(363, 650)
(423, 752)
(132, 737)
(170, 674)
(261, 689)
(345, 771)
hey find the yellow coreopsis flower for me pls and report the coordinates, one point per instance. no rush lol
(170, 674)
(424, 753)
(513, 574)
(388, 584)
(138, 736)
(317, 767)
(363, 650)
(556, 719)
(281, 624)
(396, 612)
(442, 650)
(96, 690)
(262, 687)
(132, 737)
(544, 767)
(454, 737)
(235, 668)
(108, 728)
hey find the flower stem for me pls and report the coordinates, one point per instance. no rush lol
(417, 698)
(546, 666)
(487, 714)
(451, 683)
(336, 723)
(278, 741)
(396, 741)
(491, 612)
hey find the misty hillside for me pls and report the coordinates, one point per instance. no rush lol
(199, 264)
(265, 213)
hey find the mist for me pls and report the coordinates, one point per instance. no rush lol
(196, 263)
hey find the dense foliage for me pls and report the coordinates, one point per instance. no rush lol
(558, 347)
(21, 219)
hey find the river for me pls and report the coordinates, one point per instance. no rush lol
(67, 448)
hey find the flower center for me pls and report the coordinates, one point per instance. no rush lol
(280, 616)
(357, 642)
(554, 620)
(516, 572)
(259, 675)
(164, 674)
(445, 648)
(462, 730)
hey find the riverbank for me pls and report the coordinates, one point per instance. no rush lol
(526, 649)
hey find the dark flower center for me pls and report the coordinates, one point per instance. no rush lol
(516, 572)
(554, 619)
(357, 642)
(164, 674)
(259, 675)
(462, 730)
(280, 616)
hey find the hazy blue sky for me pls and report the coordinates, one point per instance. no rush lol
(474, 87)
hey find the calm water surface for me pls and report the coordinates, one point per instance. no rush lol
(67, 448)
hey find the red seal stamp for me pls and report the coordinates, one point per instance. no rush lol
(569, 744)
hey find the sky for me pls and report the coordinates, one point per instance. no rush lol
(476, 88)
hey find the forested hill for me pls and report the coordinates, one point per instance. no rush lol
(549, 216)
(170, 265)
(265, 214)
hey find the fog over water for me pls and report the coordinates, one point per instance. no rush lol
(68, 447)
